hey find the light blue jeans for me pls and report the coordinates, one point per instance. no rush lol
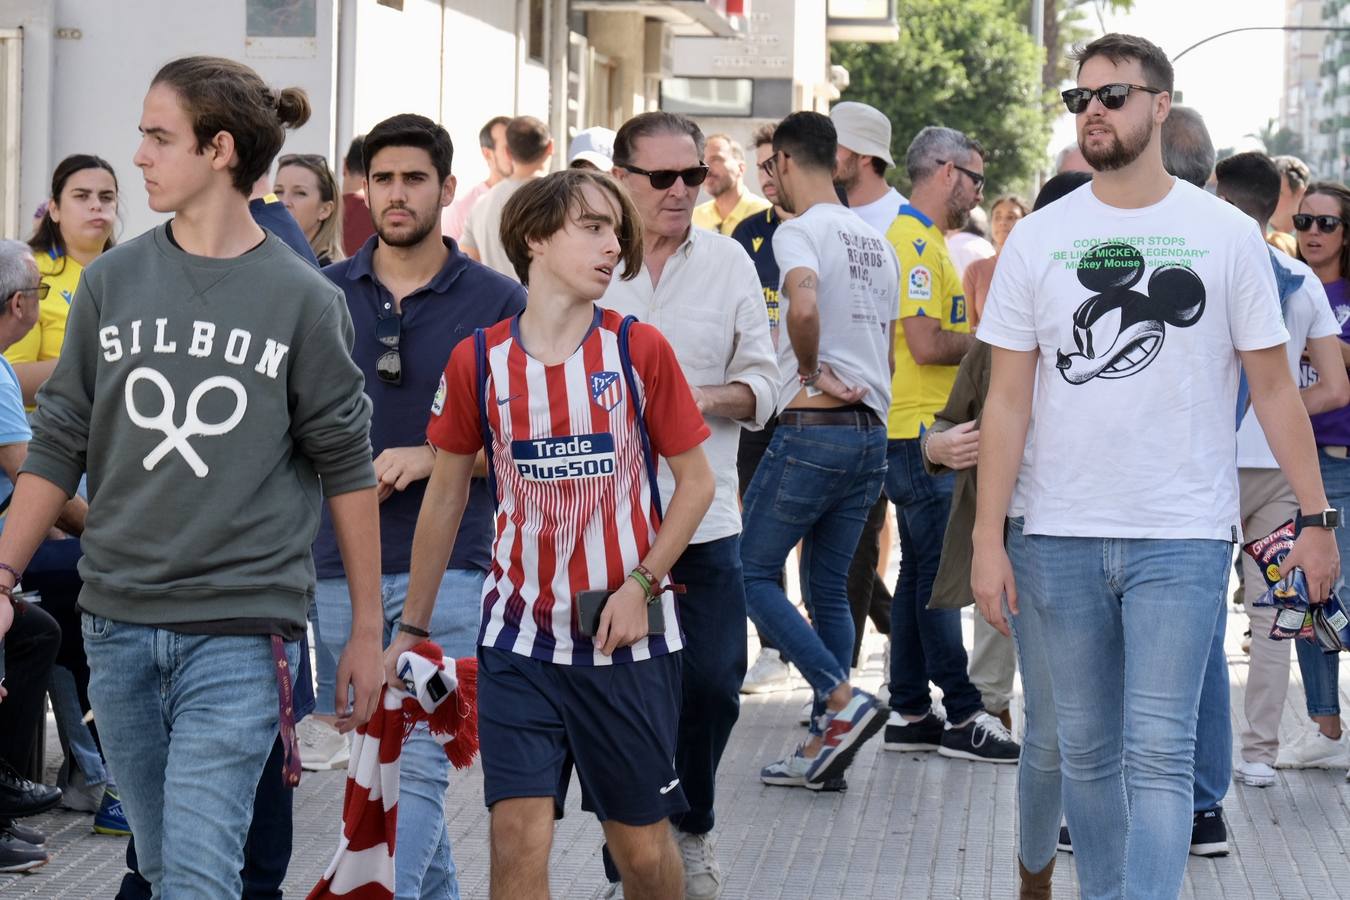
(1038, 778)
(187, 723)
(423, 864)
(1130, 624)
(76, 741)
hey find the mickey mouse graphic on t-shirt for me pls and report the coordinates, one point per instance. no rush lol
(1119, 331)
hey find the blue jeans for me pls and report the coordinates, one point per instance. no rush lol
(1322, 671)
(1038, 775)
(1130, 624)
(325, 664)
(1214, 727)
(424, 867)
(926, 643)
(815, 482)
(712, 618)
(187, 723)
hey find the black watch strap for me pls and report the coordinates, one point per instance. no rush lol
(1327, 518)
(413, 630)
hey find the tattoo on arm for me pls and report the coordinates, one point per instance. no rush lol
(808, 283)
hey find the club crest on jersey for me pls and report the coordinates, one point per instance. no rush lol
(605, 390)
(438, 401)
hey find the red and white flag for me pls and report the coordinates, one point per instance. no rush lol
(447, 700)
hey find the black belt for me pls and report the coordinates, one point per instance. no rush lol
(861, 418)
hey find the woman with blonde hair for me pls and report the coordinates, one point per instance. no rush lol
(306, 185)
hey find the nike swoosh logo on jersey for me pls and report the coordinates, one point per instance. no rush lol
(506, 400)
(670, 787)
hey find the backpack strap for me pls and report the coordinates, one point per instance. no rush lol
(481, 368)
(639, 412)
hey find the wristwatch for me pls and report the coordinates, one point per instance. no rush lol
(1327, 518)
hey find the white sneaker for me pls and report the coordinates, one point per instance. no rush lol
(769, 673)
(321, 746)
(78, 794)
(702, 875)
(1256, 774)
(1314, 750)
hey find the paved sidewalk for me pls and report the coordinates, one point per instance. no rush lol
(910, 826)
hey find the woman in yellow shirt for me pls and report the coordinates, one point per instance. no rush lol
(76, 227)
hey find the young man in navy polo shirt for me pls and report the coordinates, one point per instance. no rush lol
(413, 295)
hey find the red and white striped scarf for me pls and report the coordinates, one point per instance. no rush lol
(363, 867)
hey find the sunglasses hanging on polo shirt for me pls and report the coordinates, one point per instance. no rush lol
(389, 367)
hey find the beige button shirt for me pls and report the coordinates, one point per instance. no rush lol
(709, 305)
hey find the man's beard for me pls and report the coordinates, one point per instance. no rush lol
(1119, 153)
(718, 186)
(846, 176)
(421, 228)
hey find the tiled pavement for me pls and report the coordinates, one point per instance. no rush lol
(910, 826)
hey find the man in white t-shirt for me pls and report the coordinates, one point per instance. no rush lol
(1251, 182)
(863, 157)
(824, 466)
(1128, 307)
(531, 149)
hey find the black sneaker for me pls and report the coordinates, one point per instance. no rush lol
(23, 832)
(20, 797)
(925, 734)
(19, 856)
(1209, 837)
(1064, 843)
(983, 740)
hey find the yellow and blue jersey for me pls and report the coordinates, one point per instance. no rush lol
(929, 286)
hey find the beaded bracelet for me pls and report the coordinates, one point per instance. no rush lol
(18, 576)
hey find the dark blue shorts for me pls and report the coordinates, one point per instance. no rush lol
(616, 725)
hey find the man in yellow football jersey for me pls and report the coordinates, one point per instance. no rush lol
(947, 171)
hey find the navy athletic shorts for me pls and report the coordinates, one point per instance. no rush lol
(616, 725)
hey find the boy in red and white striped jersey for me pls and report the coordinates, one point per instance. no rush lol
(576, 405)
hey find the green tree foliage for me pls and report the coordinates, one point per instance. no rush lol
(970, 66)
(1278, 141)
(1067, 24)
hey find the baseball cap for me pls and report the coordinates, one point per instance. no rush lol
(863, 129)
(595, 146)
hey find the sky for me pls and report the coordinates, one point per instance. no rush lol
(1235, 81)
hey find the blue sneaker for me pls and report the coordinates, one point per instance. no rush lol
(845, 732)
(110, 819)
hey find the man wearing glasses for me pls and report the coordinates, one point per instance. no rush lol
(1118, 317)
(947, 171)
(412, 296)
(701, 290)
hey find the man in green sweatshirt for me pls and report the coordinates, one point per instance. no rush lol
(209, 392)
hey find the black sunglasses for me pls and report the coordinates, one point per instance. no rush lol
(1325, 224)
(976, 178)
(1113, 96)
(664, 178)
(389, 367)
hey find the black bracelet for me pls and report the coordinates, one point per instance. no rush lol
(413, 630)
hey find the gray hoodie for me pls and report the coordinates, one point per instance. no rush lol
(207, 399)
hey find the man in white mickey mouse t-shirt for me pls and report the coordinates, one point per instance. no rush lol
(1128, 306)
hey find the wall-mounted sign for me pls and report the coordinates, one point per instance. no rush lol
(280, 29)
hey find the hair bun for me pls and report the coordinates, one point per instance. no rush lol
(292, 106)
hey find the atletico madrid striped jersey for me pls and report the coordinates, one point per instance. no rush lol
(575, 506)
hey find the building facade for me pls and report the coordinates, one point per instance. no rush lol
(73, 73)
